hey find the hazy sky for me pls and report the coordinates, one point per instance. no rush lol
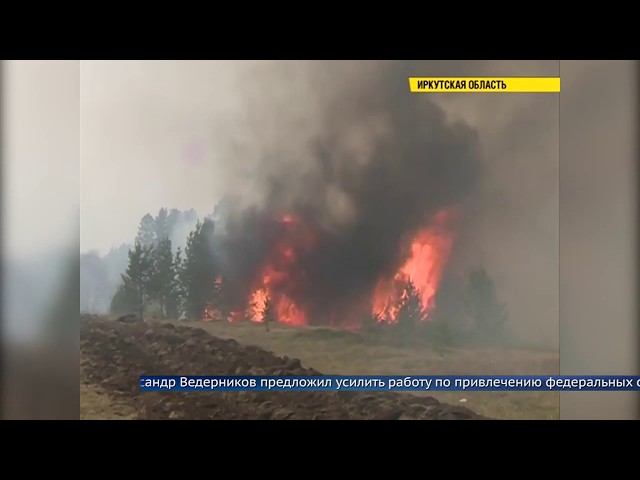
(151, 136)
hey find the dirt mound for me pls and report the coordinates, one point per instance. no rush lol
(115, 354)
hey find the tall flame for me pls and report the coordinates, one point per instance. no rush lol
(279, 273)
(428, 254)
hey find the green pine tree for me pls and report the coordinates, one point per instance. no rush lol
(162, 228)
(162, 277)
(175, 300)
(199, 270)
(488, 312)
(135, 292)
(218, 302)
(125, 300)
(146, 231)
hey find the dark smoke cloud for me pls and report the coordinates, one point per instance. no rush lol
(363, 161)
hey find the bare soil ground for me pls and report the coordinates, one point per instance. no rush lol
(115, 354)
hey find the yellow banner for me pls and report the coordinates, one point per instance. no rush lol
(484, 85)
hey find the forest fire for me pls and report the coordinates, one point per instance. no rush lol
(429, 252)
(336, 208)
(346, 215)
(282, 279)
(281, 276)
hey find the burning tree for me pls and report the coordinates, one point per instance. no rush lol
(268, 313)
(422, 270)
(411, 312)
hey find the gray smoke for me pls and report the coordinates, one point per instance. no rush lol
(363, 164)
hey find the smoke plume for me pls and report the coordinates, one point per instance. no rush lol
(349, 169)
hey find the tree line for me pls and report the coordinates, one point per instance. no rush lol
(167, 282)
(100, 274)
(161, 282)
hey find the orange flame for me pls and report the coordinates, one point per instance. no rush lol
(277, 273)
(427, 254)
(429, 251)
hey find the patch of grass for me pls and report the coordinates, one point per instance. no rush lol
(348, 353)
(97, 405)
(327, 334)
